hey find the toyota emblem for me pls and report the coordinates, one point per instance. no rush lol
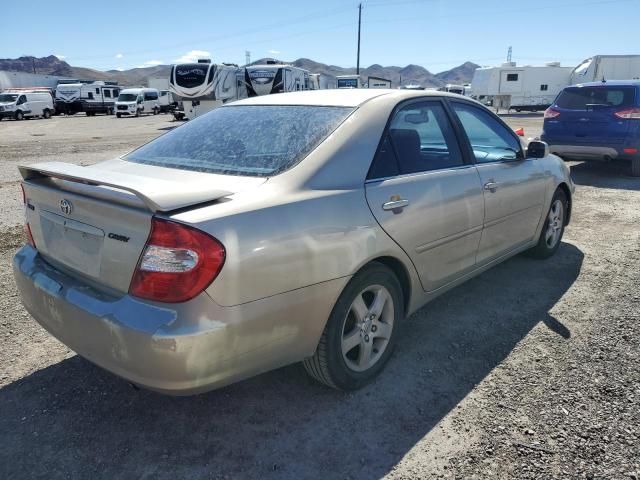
(65, 206)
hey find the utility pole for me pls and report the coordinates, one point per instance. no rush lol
(359, 23)
(247, 57)
(33, 64)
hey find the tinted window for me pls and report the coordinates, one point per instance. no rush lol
(512, 77)
(581, 98)
(127, 97)
(21, 100)
(489, 139)
(90, 95)
(151, 96)
(107, 93)
(97, 90)
(423, 139)
(257, 140)
(544, 87)
(384, 164)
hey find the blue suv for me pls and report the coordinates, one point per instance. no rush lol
(596, 121)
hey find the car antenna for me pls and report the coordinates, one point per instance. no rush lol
(604, 80)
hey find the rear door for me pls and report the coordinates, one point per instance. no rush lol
(587, 115)
(513, 186)
(425, 195)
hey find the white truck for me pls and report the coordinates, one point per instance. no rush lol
(21, 103)
(273, 77)
(607, 67)
(204, 86)
(510, 87)
(91, 98)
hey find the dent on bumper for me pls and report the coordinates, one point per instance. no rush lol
(174, 348)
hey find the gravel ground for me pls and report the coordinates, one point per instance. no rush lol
(527, 371)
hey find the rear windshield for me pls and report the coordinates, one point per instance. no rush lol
(582, 98)
(256, 140)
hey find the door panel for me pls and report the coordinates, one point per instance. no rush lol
(513, 187)
(513, 208)
(440, 228)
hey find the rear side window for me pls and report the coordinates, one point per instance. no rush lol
(255, 140)
(419, 139)
(582, 98)
(151, 96)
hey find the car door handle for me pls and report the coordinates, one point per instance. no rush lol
(491, 186)
(395, 204)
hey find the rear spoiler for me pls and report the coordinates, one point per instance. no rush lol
(159, 195)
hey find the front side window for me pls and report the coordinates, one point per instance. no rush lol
(254, 140)
(490, 140)
(419, 139)
(21, 100)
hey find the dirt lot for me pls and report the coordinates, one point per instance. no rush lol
(529, 371)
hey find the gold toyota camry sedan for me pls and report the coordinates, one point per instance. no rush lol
(299, 227)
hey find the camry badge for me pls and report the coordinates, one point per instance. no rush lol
(66, 206)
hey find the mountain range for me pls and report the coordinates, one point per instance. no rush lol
(411, 74)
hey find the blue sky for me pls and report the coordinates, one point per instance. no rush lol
(437, 34)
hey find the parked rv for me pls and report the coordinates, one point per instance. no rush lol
(530, 88)
(23, 103)
(275, 78)
(204, 86)
(91, 98)
(137, 101)
(606, 67)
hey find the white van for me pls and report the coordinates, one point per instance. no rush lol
(18, 104)
(136, 101)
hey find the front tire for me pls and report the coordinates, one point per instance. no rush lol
(360, 334)
(19, 115)
(553, 228)
(118, 115)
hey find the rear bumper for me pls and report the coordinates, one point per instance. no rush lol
(179, 349)
(584, 152)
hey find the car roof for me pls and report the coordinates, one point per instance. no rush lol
(343, 97)
(610, 83)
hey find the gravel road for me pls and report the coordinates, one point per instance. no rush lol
(529, 371)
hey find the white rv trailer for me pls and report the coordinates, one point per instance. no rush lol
(204, 86)
(377, 82)
(528, 87)
(320, 81)
(607, 67)
(91, 98)
(274, 78)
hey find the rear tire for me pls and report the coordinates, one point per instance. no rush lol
(46, 114)
(360, 334)
(553, 228)
(156, 111)
(635, 167)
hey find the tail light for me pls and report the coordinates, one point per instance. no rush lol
(551, 113)
(630, 113)
(27, 228)
(178, 263)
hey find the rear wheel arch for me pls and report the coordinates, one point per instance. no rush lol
(402, 274)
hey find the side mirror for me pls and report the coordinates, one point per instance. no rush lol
(537, 149)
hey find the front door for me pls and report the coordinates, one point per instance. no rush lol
(513, 186)
(425, 196)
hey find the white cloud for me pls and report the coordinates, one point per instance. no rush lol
(274, 52)
(119, 55)
(193, 56)
(151, 63)
(60, 57)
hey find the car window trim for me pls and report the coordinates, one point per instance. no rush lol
(467, 142)
(466, 159)
(415, 174)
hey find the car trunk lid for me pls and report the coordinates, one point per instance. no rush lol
(93, 222)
